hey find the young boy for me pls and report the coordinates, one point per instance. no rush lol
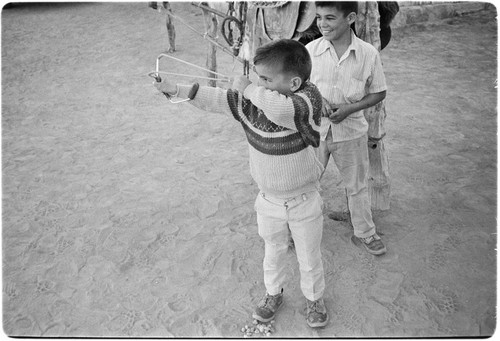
(349, 74)
(280, 116)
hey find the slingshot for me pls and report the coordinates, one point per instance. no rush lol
(156, 75)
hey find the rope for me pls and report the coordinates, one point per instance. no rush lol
(229, 37)
(206, 37)
(243, 12)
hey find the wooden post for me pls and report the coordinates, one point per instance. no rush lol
(211, 24)
(368, 29)
(170, 28)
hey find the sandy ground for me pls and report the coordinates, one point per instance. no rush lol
(124, 215)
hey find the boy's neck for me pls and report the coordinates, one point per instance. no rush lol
(344, 40)
(342, 43)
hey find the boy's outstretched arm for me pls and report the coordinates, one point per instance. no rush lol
(284, 110)
(206, 98)
(300, 111)
(338, 113)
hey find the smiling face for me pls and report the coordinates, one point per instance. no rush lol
(333, 24)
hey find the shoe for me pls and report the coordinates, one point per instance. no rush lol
(316, 313)
(267, 307)
(372, 244)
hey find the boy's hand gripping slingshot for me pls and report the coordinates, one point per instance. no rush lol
(156, 75)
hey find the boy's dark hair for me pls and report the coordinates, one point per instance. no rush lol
(345, 7)
(387, 10)
(287, 54)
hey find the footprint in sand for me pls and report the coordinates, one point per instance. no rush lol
(159, 286)
(442, 300)
(10, 290)
(43, 286)
(63, 244)
(181, 302)
(386, 287)
(240, 263)
(20, 325)
(368, 268)
(125, 321)
(349, 319)
(441, 253)
(208, 328)
(205, 206)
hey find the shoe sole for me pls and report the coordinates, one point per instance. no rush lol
(355, 240)
(261, 319)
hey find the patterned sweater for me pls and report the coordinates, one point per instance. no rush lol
(282, 132)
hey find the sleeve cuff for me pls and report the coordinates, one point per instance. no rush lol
(249, 90)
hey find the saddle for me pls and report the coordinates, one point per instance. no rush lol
(271, 20)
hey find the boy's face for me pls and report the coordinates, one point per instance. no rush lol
(332, 23)
(270, 77)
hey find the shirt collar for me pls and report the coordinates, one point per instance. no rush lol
(325, 45)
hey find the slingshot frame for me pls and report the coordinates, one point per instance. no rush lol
(156, 74)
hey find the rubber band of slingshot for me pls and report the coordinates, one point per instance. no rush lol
(187, 63)
(157, 73)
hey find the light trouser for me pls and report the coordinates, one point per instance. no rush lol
(302, 218)
(351, 158)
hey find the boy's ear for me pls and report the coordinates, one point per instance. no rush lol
(295, 83)
(351, 17)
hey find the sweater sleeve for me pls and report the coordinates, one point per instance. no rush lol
(278, 108)
(216, 100)
(300, 112)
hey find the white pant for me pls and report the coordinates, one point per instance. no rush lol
(351, 158)
(302, 218)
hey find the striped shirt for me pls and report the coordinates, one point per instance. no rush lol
(282, 134)
(346, 80)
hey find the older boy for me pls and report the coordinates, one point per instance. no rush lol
(280, 116)
(349, 74)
